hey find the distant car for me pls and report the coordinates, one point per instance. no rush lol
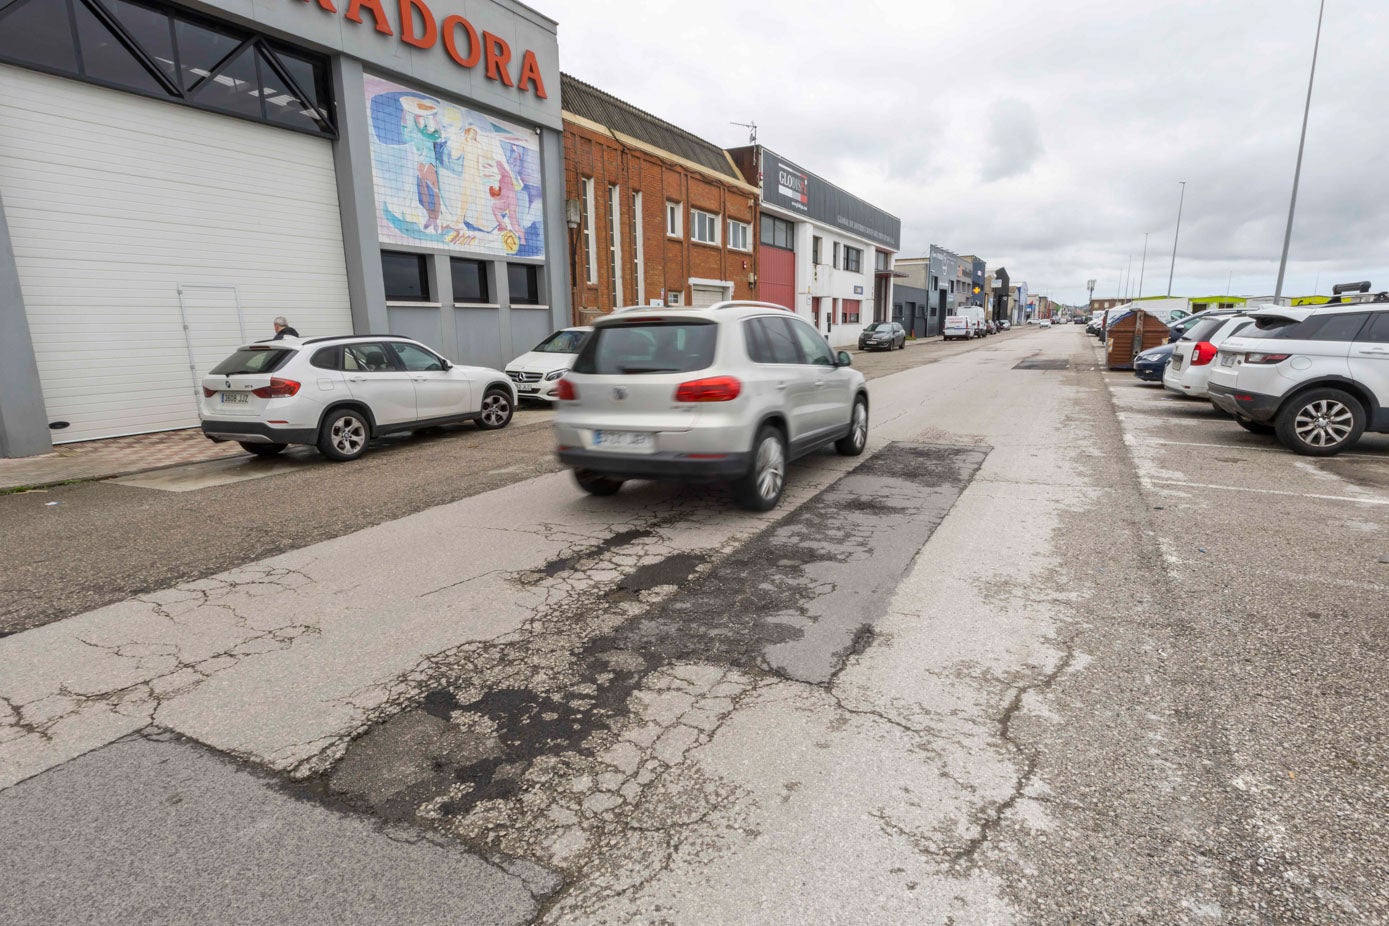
(991, 327)
(338, 393)
(728, 393)
(1005, 325)
(1150, 364)
(1318, 378)
(1078, 320)
(883, 336)
(1189, 372)
(537, 371)
(1045, 323)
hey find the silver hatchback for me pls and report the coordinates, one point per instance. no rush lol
(728, 393)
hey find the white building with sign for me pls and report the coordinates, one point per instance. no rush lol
(173, 176)
(823, 252)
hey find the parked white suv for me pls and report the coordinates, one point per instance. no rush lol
(338, 393)
(732, 393)
(536, 373)
(1318, 378)
(1189, 370)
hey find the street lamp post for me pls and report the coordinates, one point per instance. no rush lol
(1297, 172)
(1172, 269)
(1143, 265)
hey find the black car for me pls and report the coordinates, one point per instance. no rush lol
(883, 336)
(1150, 365)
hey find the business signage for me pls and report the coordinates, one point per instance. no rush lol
(858, 290)
(793, 188)
(462, 42)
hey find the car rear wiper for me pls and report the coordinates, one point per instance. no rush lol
(647, 370)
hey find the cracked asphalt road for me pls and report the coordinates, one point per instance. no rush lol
(977, 676)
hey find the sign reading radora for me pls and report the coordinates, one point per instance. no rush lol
(447, 176)
(461, 41)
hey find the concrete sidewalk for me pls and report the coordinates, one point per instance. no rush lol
(114, 456)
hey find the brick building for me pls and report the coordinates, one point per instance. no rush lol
(657, 216)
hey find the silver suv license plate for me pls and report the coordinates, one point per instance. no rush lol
(623, 440)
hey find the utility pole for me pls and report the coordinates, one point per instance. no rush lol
(1128, 279)
(1172, 269)
(1297, 172)
(1143, 266)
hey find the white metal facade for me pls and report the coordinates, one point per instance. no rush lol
(132, 218)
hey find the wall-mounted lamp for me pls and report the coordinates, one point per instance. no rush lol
(571, 213)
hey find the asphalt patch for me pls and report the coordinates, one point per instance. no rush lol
(1042, 365)
(798, 601)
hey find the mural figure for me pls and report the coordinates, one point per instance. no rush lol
(451, 177)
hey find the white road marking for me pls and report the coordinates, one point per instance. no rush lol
(1204, 485)
(1243, 447)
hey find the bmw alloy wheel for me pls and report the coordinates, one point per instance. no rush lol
(348, 435)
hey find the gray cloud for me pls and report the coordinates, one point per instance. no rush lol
(1015, 140)
(1044, 137)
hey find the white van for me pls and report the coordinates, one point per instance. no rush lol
(958, 326)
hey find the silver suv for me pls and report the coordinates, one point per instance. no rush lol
(727, 393)
(1318, 378)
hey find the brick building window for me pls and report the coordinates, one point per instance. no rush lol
(739, 235)
(674, 224)
(590, 255)
(615, 241)
(704, 227)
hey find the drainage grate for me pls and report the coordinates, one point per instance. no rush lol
(1043, 365)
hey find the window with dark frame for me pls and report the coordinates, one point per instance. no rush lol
(470, 282)
(524, 281)
(159, 51)
(406, 276)
(853, 259)
(778, 233)
(815, 243)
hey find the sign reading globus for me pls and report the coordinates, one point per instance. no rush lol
(461, 40)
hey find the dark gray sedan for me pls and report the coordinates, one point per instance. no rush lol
(883, 336)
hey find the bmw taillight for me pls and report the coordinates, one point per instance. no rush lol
(1203, 353)
(713, 389)
(209, 393)
(278, 389)
(1266, 358)
(565, 391)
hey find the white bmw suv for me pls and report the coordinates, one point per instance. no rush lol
(1318, 378)
(338, 393)
(728, 393)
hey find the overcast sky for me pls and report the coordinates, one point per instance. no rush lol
(1044, 137)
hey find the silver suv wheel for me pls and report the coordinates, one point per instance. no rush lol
(1321, 422)
(771, 467)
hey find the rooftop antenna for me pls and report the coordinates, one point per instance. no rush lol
(752, 130)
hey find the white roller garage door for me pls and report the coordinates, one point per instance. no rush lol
(702, 296)
(131, 218)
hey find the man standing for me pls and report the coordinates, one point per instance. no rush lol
(282, 329)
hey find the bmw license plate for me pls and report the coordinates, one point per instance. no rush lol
(638, 441)
(236, 398)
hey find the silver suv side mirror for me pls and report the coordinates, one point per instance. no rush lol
(843, 359)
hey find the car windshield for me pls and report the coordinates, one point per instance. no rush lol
(1202, 330)
(562, 342)
(648, 347)
(879, 326)
(252, 360)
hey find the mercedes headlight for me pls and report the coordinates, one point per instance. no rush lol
(550, 377)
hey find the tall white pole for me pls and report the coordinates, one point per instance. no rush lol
(1297, 172)
(1172, 269)
(1143, 265)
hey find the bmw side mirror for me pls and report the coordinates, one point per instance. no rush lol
(843, 359)
(448, 365)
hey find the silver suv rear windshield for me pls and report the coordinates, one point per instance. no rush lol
(252, 360)
(1316, 327)
(648, 347)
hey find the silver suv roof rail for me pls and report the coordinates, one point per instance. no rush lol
(747, 304)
